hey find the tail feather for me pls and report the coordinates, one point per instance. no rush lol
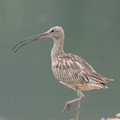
(108, 79)
(103, 85)
(99, 78)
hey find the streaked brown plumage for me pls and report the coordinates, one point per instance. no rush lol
(70, 70)
(76, 73)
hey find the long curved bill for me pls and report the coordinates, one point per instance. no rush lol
(30, 39)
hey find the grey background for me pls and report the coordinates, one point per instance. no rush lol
(28, 89)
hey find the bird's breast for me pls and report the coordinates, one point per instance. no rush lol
(58, 70)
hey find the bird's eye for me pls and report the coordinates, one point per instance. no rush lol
(52, 31)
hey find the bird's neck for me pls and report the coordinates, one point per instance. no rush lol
(57, 48)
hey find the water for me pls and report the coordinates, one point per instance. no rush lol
(28, 89)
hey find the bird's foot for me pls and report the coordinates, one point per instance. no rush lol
(67, 106)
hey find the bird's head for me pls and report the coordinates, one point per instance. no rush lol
(56, 33)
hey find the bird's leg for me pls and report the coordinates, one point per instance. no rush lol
(67, 105)
(78, 110)
(81, 95)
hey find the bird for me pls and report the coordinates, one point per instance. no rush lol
(70, 70)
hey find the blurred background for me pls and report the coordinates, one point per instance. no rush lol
(28, 89)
